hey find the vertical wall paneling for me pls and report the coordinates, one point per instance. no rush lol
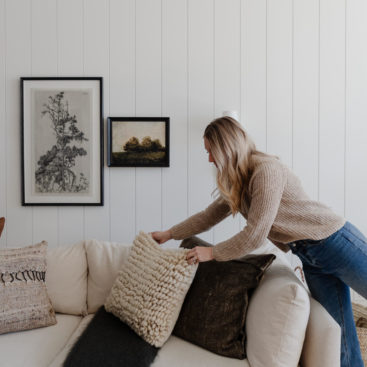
(306, 93)
(356, 114)
(174, 105)
(227, 77)
(96, 63)
(356, 117)
(294, 70)
(148, 103)
(332, 103)
(71, 42)
(305, 66)
(18, 63)
(3, 156)
(253, 75)
(122, 103)
(44, 63)
(253, 72)
(279, 74)
(279, 79)
(201, 104)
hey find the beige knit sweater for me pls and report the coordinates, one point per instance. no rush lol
(278, 209)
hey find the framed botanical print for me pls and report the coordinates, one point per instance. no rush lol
(62, 141)
(138, 141)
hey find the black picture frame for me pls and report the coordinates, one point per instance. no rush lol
(62, 135)
(150, 147)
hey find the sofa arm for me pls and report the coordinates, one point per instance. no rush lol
(322, 343)
(277, 319)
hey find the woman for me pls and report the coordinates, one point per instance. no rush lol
(271, 198)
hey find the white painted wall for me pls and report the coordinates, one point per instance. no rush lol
(294, 70)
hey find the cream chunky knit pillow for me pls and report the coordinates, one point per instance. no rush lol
(150, 289)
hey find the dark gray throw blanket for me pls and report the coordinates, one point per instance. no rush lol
(109, 342)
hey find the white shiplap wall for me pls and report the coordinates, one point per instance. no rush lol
(294, 70)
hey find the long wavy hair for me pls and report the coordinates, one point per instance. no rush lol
(233, 151)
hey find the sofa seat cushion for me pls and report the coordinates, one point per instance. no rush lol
(180, 353)
(175, 352)
(107, 341)
(37, 347)
(60, 357)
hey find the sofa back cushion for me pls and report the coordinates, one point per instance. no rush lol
(66, 278)
(322, 341)
(105, 259)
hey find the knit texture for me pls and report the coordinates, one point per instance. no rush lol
(25, 303)
(277, 208)
(149, 290)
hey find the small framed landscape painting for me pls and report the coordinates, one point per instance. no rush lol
(62, 141)
(138, 141)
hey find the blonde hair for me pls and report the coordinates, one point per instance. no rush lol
(233, 151)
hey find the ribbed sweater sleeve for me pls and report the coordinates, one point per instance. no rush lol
(267, 187)
(202, 221)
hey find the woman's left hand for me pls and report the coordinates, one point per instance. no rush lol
(199, 254)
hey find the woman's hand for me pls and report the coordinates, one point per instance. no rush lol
(161, 236)
(199, 254)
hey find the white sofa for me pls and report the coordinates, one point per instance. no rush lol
(284, 324)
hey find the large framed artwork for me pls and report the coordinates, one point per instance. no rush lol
(62, 140)
(138, 142)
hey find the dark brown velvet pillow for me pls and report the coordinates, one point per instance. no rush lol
(213, 314)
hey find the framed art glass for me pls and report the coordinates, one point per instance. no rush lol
(138, 141)
(62, 141)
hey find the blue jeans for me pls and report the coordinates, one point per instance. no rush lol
(330, 266)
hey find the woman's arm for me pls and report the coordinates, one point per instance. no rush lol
(202, 221)
(267, 190)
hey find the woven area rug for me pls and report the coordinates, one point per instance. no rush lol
(109, 342)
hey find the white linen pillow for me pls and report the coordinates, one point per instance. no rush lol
(66, 278)
(149, 290)
(277, 319)
(105, 259)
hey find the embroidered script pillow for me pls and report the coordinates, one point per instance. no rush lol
(150, 288)
(25, 303)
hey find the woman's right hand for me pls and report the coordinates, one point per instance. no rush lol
(161, 236)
